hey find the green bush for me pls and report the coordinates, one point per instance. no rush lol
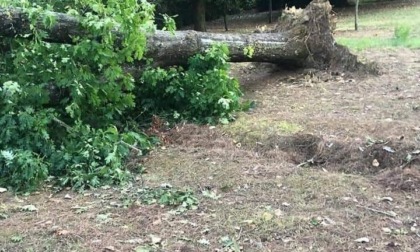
(64, 107)
(203, 93)
(22, 169)
(66, 110)
(401, 34)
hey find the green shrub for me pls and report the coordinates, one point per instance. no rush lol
(22, 169)
(203, 93)
(401, 34)
(66, 109)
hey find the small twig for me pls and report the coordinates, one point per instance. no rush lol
(393, 215)
(302, 164)
(65, 125)
(309, 161)
(240, 234)
(131, 147)
(408, 162)
(141, 179)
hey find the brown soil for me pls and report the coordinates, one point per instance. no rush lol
(323, 160)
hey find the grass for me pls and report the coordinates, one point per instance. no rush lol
(251, 129)
(390, 27)
(385, 19)
(360, 44)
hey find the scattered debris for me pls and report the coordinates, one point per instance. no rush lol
(387, 199)
(388, 213)
(154, 239)
(362, 240)
(29, 208)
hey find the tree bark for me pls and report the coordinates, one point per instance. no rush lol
(280, 48)
(302, 39)
(168, 48)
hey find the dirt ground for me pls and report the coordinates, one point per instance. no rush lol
(324, 162)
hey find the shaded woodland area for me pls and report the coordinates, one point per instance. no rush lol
(209, 10)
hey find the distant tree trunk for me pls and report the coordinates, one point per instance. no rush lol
(270, 7)
(282, 4)
(356, 16)
(225, 14)
(199, 15)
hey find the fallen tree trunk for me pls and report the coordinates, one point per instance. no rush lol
(302, 38)
(168, 48)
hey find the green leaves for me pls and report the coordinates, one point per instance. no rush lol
(22, 169)
(204, 93)
(65, 108)
(183, 199)
(62, 106)
(16, 238)
(249, 51)
(10, 88)
(169, 22)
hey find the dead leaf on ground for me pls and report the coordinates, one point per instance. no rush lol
(133, 241)
(267, 216)
(155, 239)
(109, 248)
(29, 208)
(389, 199)
(62, 232)
(204, 242)
(157, 222)
(387, 230)
(388, 149)
(143, 249)
(393, 244)
(278, 212)
(362, 240)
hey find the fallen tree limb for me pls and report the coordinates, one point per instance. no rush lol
(168, 48)
(302, 38)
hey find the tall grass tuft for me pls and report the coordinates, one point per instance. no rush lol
(401, 34)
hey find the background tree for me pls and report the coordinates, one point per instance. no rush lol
(356, 15)
(199, 15)
(203, 10)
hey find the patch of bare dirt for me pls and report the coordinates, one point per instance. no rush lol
(360, 125)
(405, 179)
